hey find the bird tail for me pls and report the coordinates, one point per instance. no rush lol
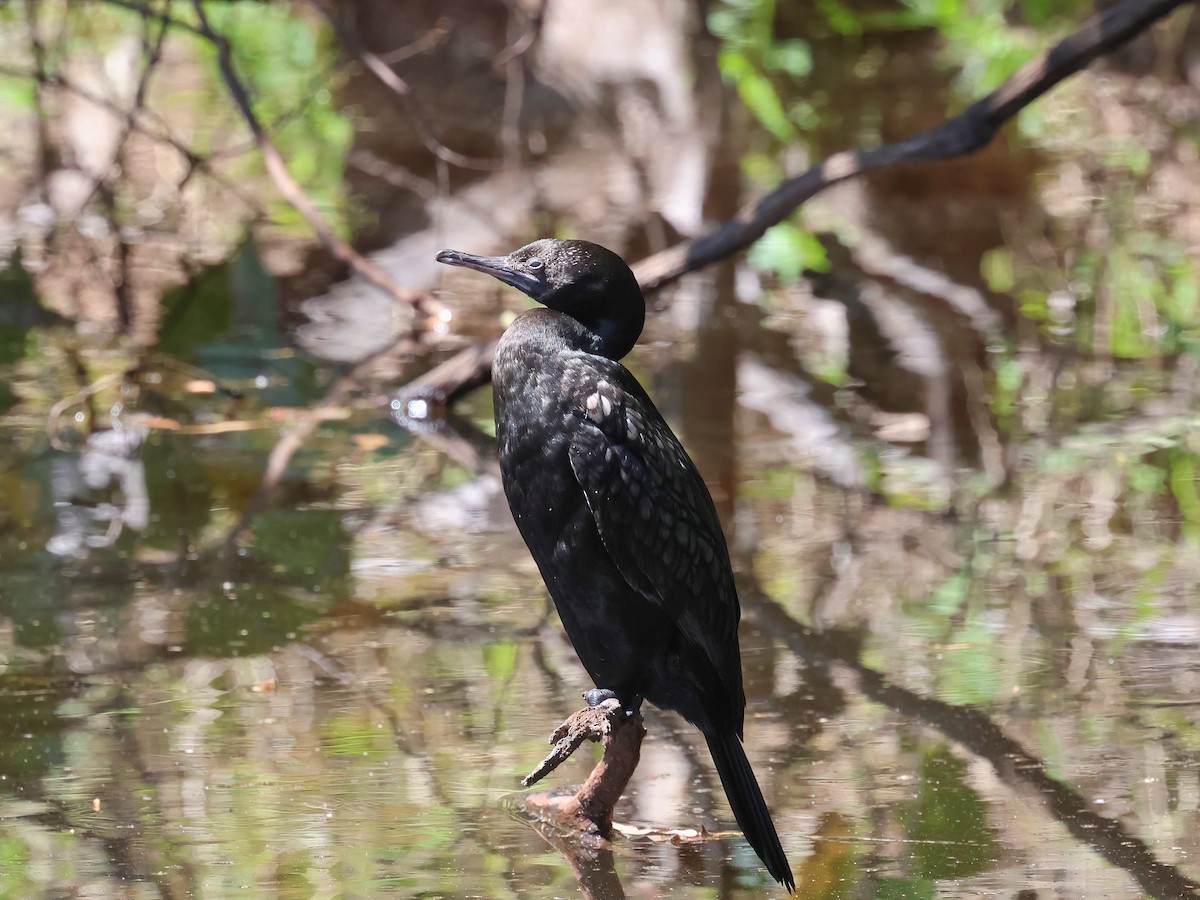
(749, 807)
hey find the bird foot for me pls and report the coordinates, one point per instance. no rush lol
(596, 696)
(594, 723)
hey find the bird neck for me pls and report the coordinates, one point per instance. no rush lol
(543, 328)
(614, 337)
(615, 328)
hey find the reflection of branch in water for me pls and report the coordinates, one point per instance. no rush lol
(173, 877)
(579, 824)
(455, 437)
(290, 443)
(375, 697)
(122, 852)
(978, 733)
(594, 866)
(962, 135)
(135, 845)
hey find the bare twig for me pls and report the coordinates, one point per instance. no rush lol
(402, 93)
(432, 38)
(396, 176)
(159, 134)
(38, 51)
(511, 61)
(291, 190)
(530, 27)
(147, 12)
(152, 49)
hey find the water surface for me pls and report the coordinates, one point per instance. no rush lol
(955, 459)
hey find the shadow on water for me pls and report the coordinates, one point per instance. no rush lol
(947, 416)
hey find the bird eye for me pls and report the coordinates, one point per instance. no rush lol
(535, 263)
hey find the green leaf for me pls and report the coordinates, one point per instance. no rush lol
(793, 57)
(949, 597)
(500, 660)
(997, 269)
(16, 93)
(787, 250)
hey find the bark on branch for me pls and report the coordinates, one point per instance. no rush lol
(590, 809)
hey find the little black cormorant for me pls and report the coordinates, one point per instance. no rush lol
(614, 511)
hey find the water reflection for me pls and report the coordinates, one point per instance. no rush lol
(962, 809)
(108, 462)
(964, 509)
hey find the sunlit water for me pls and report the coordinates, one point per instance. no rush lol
(345, 705)
(967, 556)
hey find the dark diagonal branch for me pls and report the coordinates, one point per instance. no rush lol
(967, 133)
(962, 135)
(160, 16)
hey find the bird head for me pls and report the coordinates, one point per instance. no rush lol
(587, 282)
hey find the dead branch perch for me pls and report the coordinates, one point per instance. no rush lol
(591, 724)
(590, 809)
(962, 135)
